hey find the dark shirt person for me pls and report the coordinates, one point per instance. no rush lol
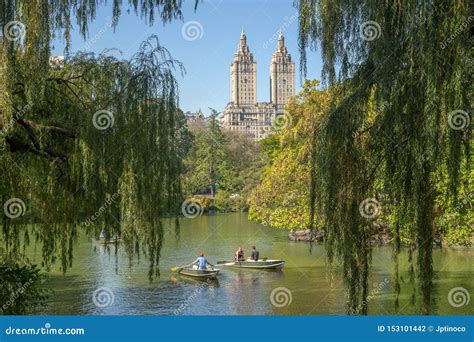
(254, 255)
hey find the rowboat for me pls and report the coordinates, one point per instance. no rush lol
(260, 264)
(202, 274)
(109, 241)
(102, 238)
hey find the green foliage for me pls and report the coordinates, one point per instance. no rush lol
(455, 219)
(413, 71)
(21, 288)
(52, 156)
(282, 199)
(203, 202)
(245, 161)
(207, 165)
(72, 165)
(225, 158)
(226, 202)
(270, 147)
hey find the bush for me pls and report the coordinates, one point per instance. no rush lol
(226, 202)
(20, 288)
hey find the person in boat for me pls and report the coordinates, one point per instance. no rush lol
(254, 255)
(201, 262)
(239, 255)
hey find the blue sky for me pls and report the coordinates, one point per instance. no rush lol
(208, 46)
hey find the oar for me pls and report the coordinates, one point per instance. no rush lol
(174, 269)
(223, 262)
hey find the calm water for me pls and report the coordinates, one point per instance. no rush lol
(314, 287)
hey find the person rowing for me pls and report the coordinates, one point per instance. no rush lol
(201, 262)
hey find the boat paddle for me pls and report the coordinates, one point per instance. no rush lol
(174, 269)
(223, 262)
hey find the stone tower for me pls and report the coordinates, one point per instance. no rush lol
(243, 75)
(243, 113)
(282, 75)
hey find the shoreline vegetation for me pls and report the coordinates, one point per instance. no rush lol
(381, 234)
(282, 198)
(271, 179)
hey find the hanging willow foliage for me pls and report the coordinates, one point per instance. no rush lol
(94, 140)
(404, 71)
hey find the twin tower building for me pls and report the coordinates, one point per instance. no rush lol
(243, 113)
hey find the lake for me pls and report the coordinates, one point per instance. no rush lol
(101, 282)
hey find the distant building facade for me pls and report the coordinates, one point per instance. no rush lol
(193, 117)
(243, 113)
(57, 61)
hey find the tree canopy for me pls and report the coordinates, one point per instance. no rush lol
(220, 161)
(282, 200)
(91, 139)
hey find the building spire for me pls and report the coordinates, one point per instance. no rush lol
(243, 42)
(242, 35)
(281, 41)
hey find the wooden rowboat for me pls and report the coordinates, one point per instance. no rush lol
(202, 274)
(260, 264)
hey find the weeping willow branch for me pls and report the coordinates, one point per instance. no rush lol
(136, 155)
(393, 55)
